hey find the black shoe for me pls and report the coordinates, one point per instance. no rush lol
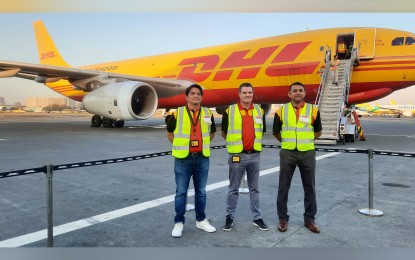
(228, 224)
(260, 224)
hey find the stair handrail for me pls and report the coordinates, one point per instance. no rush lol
(354, 60)
(327, 59)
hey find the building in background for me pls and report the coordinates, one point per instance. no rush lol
(2, 101)
(48, 101)
(44, 101)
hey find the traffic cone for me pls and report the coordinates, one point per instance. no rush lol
(244, 185)
(362, 136)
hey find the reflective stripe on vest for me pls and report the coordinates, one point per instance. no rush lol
(181, 141)
(295, 134)
(234, 142)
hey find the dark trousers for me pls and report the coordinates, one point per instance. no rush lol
(306, 162)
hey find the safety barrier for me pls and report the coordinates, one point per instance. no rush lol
(48, 169)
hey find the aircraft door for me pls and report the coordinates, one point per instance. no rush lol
(365, 40)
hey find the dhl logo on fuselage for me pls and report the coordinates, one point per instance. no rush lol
(201, 68)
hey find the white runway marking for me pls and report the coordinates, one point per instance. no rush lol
(409, 136)
(72, 226)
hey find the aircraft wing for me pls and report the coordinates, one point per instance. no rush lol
(78, 76)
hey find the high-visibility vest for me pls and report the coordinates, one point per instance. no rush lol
(181, 141)
(295, 134)
(234, 142)
(341, 48)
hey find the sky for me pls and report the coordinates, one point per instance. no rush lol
(93, 37)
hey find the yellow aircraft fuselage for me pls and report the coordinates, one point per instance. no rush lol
(272, 64)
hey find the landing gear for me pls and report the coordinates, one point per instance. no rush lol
(96, 121)
(119, 123)
(107, 123)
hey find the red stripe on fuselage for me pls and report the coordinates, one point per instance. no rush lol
(374, 63)
(393, 57)
(292, 69)
(359, 93)
(385, 68)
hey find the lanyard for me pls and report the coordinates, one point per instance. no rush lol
(194, 123)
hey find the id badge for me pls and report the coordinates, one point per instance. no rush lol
(194, 143)
(304, 119)
(258, 120)
(207, 120)
(236, 158)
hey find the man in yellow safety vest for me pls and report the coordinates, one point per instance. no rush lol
(190, 129)
(296, 125)
(243, 125)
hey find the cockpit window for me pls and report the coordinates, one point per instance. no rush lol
(397, 41)
(409, 41)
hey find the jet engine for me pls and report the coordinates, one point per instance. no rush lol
(128, 100)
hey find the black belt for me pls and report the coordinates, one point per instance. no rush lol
(196, 154)
(249, 152)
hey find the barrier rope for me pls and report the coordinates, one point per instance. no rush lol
(153, 155)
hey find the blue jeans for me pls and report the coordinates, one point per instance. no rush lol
(198, 167)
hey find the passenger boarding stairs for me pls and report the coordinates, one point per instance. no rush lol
(332, 99)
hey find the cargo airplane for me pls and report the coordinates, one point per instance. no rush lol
(367, 109)
(133, 89)
(403, 110)
(387, 110)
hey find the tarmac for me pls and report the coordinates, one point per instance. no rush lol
(131, 204)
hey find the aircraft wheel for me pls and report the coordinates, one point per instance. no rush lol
(96, 121)
(119, 124)
(107, 123)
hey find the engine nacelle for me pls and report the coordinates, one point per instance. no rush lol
(129, 100)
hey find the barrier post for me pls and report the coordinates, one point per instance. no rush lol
(371, 211)
(49, 199)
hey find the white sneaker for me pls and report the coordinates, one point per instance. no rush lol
(205, 225)
(190, 207)
(177, 230)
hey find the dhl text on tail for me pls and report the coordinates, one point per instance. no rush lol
(133, 89)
